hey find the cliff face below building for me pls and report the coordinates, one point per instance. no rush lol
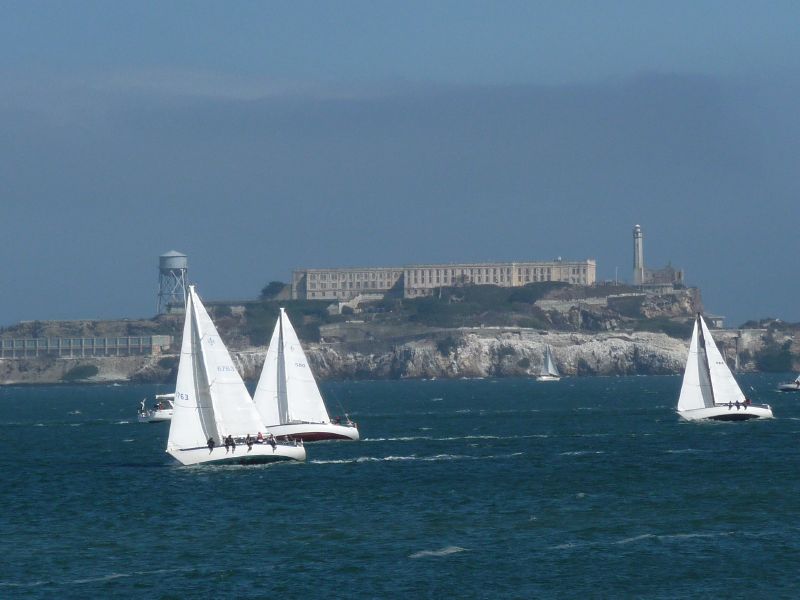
(458, 353)
(455, 353)
(494, 353)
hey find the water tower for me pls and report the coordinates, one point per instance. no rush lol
(172, 268)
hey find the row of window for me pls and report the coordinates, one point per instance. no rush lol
(375, 285)
(353, 276)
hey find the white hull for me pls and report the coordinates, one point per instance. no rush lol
(723, 413)
(789, 387)
(260, 453)
(314, 432)
(548, 378)
(155, 416)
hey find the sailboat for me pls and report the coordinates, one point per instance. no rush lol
(212, 404)
(709, 390)
(287, 396)
(793, 386)
(549, 370)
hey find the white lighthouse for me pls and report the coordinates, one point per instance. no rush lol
(638, 256)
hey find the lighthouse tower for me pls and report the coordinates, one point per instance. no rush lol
(638, 256)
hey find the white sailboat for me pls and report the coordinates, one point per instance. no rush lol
(287, 396)
(793, 386)
(212, 403)
(709, 390)
(549, 370)
(161, 411)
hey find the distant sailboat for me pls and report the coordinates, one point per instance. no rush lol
(709, 390)
(549, 370)
(212, 403)
(287, 396)
(794, 386)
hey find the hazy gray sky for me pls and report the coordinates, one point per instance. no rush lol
(261, 137)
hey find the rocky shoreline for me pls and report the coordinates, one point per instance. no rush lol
(456, 353)
(459, 353)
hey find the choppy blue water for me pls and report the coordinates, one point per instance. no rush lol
(470, 489)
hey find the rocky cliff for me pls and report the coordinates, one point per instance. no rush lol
(492, 353)
(454, 353)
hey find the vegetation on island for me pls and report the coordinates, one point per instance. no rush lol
(80, 373)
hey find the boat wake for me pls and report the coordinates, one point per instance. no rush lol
(646, 537)
(85, 580)
(446, 551)
(455, 438)
(434, 458)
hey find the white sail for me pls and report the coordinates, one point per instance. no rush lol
(696, 388)
(549, 366)
(287, 391)
(725, 387)
(707, 379)
(268, 391)
(193, 417)
(210, 397)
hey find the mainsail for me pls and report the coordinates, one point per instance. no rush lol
(287, 391)
(211, 400)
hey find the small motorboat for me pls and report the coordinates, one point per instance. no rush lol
(792, 386)
(161, 410)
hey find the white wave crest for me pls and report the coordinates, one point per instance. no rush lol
(446, 551)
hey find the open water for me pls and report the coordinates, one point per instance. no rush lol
(470, 489)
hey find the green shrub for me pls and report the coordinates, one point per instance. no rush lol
(447, 345)
(676, 329)
(775, 359)
(168, 362)
(80, 372)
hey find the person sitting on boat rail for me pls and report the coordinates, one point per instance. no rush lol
(230, 441)
(211, 445)
(260, 438)
(249, 441)
(271, 441)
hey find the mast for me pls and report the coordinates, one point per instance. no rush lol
(283, 401)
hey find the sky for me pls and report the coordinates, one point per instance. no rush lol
(261, 137)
